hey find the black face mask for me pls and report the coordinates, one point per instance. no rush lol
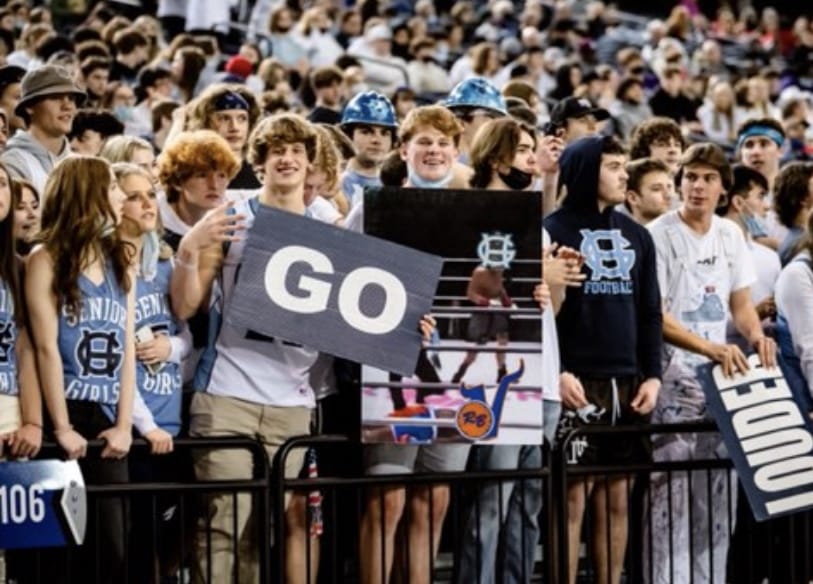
(516, 179)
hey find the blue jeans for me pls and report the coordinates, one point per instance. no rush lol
(509, 510)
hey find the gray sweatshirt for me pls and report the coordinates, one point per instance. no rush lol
(27, 158)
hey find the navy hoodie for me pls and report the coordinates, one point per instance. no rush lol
(612, 325)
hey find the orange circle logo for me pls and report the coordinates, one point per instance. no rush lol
(474, 420)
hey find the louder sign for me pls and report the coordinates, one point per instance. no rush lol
(330, 289)
(768, 436)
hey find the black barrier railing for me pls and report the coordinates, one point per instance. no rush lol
(336, 571)
(639, 563)
(578, 500)
(776, 551)
(156, 547)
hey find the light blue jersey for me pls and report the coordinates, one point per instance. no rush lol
(91, 345)
(353, 185)
(8, 342)
(161, 391)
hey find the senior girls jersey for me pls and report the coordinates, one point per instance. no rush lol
(91, 344)
(242, 363)
(161, 391)
(8, 342)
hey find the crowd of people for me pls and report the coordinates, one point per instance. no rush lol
(675, 166)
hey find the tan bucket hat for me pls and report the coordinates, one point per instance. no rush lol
(45, 81)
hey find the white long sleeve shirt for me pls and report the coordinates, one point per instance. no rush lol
(794, 301)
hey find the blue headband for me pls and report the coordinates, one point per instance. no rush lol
(231, 101)
(767, 131)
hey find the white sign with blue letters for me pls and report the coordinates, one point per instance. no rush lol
(768, 436)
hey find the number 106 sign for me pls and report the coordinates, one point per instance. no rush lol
(42, 504)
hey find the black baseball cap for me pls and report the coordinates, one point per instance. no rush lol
(576, 107)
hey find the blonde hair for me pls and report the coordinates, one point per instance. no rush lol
(327, 160)
(124, 169)
(122, 148)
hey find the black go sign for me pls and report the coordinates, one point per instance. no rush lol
(343, 293)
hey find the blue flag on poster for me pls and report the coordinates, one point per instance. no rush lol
(769, 436)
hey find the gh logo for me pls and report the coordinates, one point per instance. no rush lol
(98, 353)
(496, 250)
(6, 340)
(606, 253)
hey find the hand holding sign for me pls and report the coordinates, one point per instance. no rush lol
(542, 295)
(733, 360)
(730, 357)
(427, 326)
(766, 349)
(767, 434)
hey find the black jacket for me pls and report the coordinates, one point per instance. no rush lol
(612, 325)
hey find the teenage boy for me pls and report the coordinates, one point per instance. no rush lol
(609, 338)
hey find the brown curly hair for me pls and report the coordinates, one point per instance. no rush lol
(190, 153)
(75, 226)
(650, 131)
(284, 128)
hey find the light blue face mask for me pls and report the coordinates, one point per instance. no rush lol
(124, 113)
(418, 182)
(754, 225)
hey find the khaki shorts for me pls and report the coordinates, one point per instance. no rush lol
(10, 416)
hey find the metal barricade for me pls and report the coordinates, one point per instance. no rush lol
(343, 505)
(669, 539)
(332, 511)
(166, 537)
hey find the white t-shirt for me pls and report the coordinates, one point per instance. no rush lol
(550, 348)
(322, 210)
(246, 365)
(697, 274)
(767, 267)
(794, 301)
